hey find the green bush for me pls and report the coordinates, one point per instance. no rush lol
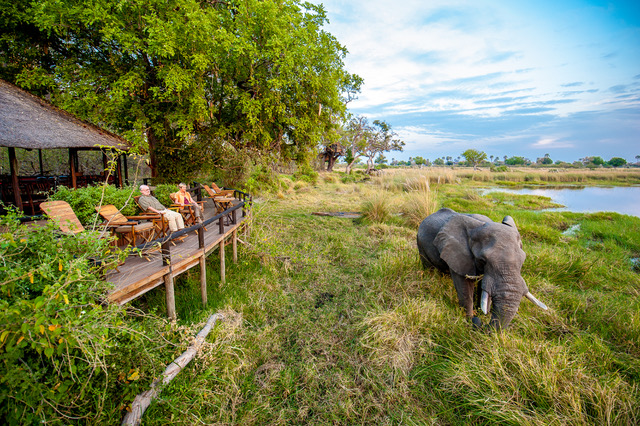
(83, 201)
(64, 354)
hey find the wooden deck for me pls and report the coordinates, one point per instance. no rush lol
(140, 274)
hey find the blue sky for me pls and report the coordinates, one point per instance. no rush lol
(516, 78)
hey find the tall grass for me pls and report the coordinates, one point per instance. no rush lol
(334, 321)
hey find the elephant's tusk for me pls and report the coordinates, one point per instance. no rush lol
(536, 301)
(484, 302)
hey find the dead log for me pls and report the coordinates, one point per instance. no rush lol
(143, 400)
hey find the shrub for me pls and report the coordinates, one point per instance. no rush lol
(83, 201)
(376, 209)
(64, 355)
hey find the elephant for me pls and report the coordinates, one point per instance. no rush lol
(472, 248)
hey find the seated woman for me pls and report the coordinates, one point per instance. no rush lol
(183, 198)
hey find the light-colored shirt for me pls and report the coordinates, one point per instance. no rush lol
(147, 201)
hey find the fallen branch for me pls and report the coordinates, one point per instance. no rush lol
(143, 400)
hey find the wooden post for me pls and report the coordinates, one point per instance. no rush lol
(41, 163)
(73, 153)
(203, 279)
(200, 232)
(233, 217)
(15, 182)
(165, 251)
(118, 171)
(235, 245)
(126, 169)
(171, 296)
(222, 271)
(221, 225)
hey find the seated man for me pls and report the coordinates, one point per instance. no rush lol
(150, 203)
(184, 198)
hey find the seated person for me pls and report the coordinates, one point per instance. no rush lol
(149, 203)
(184, 199)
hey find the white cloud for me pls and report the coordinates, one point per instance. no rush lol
(482, 59)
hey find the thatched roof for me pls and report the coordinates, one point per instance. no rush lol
(27, 121)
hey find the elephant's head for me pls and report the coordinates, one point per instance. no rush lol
(474, 247)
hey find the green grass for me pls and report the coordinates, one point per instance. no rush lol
(333, 321)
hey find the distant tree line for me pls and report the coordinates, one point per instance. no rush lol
(475, 158)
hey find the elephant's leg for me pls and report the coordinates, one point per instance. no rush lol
(464, 288)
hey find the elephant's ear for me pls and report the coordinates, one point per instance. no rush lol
(453, 244)
(508, 220)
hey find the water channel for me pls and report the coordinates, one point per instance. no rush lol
(624, 200)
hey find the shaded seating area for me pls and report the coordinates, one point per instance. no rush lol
(30, 123)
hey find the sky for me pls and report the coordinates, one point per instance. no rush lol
(516, 78)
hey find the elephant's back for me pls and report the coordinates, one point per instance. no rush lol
(427, 232)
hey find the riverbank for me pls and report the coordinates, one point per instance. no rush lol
(333, 320)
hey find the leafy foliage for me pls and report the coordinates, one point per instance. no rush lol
(64, 355)
(193, 81)
(83, 201)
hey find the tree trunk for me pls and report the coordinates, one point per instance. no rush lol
(153, 143)
(331, 159)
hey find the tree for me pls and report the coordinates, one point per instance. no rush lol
(381, 139)
(420, 161)
(369, 141)
(187, 80)
(474, 157)
(330, 154)
(546, 160)
(617, 162)
(381, 159)
(515, 161)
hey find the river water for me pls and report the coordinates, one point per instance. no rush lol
(625, 200)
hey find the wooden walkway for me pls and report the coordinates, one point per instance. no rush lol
(140, 274)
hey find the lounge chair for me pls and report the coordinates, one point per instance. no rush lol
(187, 212)
(61, 213)
(129, 228)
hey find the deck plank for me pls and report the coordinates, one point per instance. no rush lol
(140, 274)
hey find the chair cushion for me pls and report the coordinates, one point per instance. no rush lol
(139, 227)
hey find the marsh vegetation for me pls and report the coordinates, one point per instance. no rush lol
(333, 320)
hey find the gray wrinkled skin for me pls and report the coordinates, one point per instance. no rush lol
(470, 245)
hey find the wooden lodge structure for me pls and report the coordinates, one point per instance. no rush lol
(29, 122)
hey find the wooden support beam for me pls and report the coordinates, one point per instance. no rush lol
(15, 182)
(203, 279)
(118, 171)
(235, 246)
(171, 296)
(40, 161)
(222, 270)
(126, 169)
(73, 155)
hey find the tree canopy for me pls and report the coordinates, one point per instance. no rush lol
(191, 81)
(474, 157)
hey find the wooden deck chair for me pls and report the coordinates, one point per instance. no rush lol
(220, 191)
(61, 213)
(64, 217)
(188, 212)
(129, 228)
(159, 222)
